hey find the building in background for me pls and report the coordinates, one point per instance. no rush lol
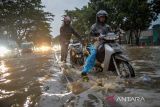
(150, 36)
(146, 37)
(156, 34)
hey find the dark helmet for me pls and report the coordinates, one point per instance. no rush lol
(102, 13)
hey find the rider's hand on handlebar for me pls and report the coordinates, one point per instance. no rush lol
(96, 39)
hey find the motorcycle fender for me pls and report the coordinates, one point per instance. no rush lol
(121, 57)
(108, 53)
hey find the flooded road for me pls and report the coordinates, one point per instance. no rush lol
(146, 61)
(146, 84)
(21, 78)
(21, 81)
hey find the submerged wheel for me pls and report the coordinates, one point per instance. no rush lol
(126, 69)
(72, 57)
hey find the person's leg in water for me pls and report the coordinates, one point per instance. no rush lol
(64, 51)
(89, 63)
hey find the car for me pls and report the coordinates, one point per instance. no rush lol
(27, 47)
(8, 48)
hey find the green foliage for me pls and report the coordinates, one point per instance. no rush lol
(130, 15)
(156, 6)
(25, 20)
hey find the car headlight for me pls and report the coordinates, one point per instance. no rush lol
(3, 51)
(42, 49)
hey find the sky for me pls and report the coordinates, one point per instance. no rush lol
(157, 21)
(57, 7)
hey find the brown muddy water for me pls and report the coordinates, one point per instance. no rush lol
(24, 83)
(21, 79)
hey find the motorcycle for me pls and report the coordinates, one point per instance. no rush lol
(112, 58)
(76, 53)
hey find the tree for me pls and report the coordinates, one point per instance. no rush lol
(156, 6)
(25, 20)
(137, 14)
(131, 15)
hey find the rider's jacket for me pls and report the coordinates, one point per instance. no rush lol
(66, 32)
(98, 29)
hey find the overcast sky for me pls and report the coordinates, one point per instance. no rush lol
(57, 8)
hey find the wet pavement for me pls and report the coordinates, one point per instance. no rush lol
(21, 78)
(146, 84)
(26, 80)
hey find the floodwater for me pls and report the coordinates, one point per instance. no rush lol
(37, 80)
(21, 78)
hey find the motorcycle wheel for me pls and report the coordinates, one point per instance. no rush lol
(72, 57)
(126, 70)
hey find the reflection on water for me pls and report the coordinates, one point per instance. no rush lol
(5, 94)
(3, 67)
(4, 72)
(21, 79)
(28, 102)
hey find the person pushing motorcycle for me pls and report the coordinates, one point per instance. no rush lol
(100, 27)
(66, 32)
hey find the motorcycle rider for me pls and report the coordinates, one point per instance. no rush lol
(100, 27)
(66, 32)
